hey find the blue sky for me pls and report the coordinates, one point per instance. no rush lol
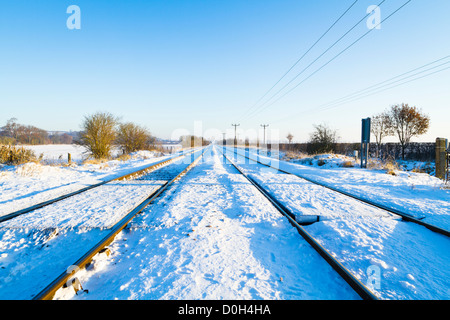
(167, 64)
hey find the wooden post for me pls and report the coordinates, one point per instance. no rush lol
(69, 158)
(192, 146)
(441, 155)
(247, 151)
(447, 173)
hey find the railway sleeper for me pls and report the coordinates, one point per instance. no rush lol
(41, 237)
(306, 220)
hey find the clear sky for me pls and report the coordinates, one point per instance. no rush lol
(167, 64)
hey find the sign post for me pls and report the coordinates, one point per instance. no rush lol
(365, 141)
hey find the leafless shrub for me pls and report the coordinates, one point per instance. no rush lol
(348, 164)
(13, 155)
(99, 134)
(322, 140)
(391, 167)
(123, 157)
(132, 137)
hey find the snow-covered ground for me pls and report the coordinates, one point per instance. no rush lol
(411, 259)
(38, 246)
(211, 235)
(31, 183)
(58, 153)
(419, 194)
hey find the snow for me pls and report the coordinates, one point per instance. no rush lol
(30, 259)
(361, 236)
(56, 153)
(31, 183)
(418, 194)
(100, 207)
(212, 235)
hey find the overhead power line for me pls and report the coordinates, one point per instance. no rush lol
(358, 95)
(397, 85)
(336, 56)
(307, 51)
(376, 89)
(352, 95)
(314, 61)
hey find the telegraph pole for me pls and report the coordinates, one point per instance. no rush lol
(223, 146)
(264, 126)
(235, 139)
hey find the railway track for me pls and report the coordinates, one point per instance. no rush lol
(348, 277)
(131, 175)
(165, 173)
(405, 216)
(162, 174)
(259, 184)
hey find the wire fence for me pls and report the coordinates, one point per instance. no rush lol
(415, 151)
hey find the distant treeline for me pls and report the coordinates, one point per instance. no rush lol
(189, 141)
(15, 133)
(418, 151)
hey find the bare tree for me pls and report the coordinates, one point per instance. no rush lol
(132, 137)
(99, 133)
(11, 127)
(381, 127)
(322, 139)
(289, 137)
(408, 122)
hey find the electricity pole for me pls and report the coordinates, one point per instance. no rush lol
(264, 126)
(235, 139)
(224, 142)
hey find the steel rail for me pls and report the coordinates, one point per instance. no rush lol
(348, 277)
(405, 216)
(68, 195)
(48, 292)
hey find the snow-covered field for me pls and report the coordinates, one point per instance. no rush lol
(58, 153)
(211, 235)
